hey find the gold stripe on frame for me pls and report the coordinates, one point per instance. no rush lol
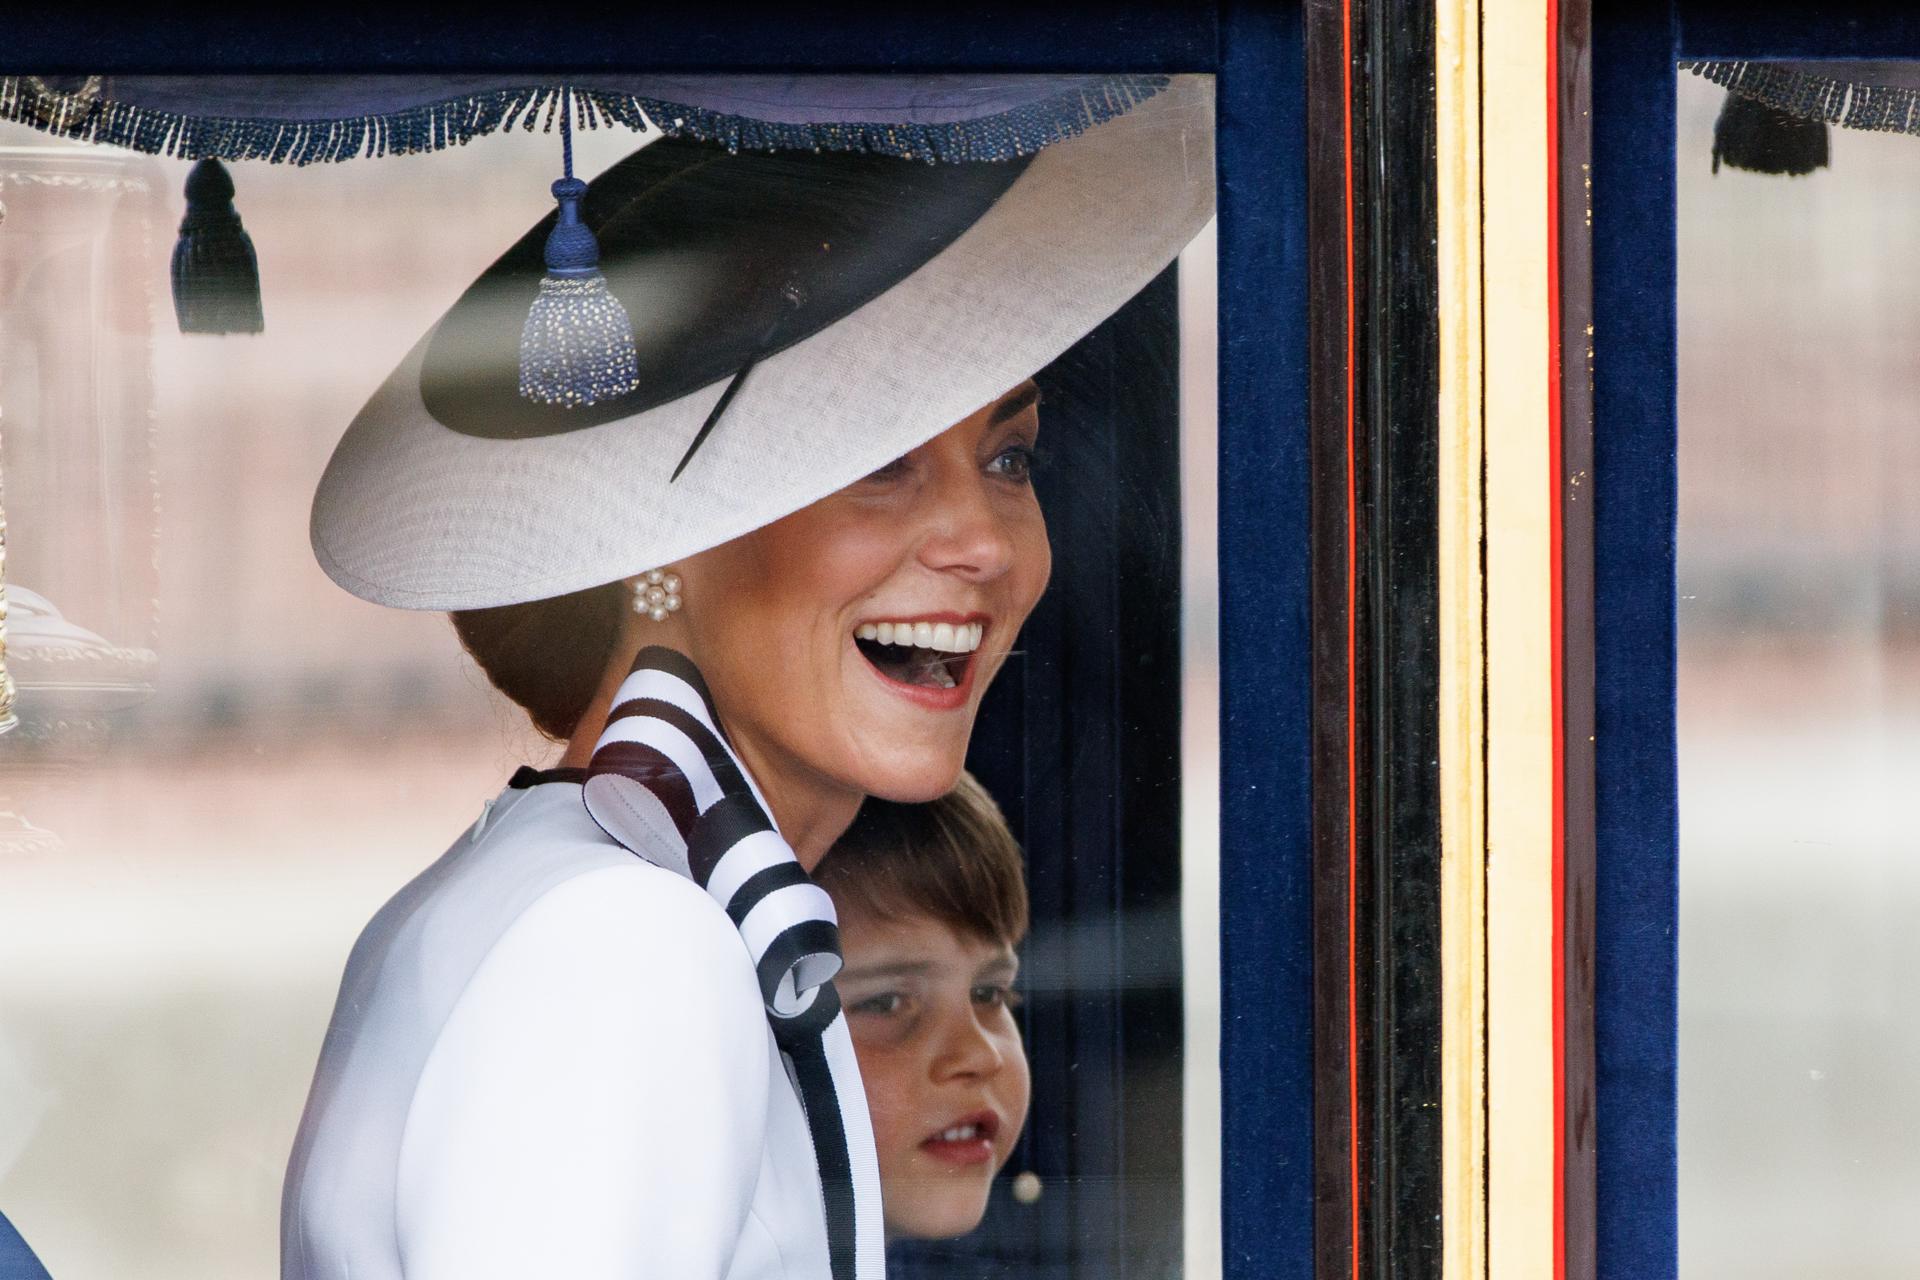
(1463, 836)
(1521, 909)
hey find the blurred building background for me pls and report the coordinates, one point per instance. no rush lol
(184, 867)
(1799, 559)
(171, 939)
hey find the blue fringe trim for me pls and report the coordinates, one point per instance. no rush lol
(1878, 107)
(436, 126)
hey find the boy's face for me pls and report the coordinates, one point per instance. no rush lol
(946, 1077)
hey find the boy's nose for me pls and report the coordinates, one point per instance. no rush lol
(967, 1050)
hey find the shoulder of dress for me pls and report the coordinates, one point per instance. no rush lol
(632, 912)
(625, 957)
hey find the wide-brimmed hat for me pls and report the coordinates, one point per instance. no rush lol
(869, 301)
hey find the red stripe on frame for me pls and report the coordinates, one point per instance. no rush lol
(1556, 645)
(1353, 771)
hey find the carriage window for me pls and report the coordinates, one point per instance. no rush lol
(1799, 677)
(222, 764)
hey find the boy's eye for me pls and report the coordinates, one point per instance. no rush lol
(992, 994)
(883, 1004)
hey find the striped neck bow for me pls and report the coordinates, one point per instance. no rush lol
(664, 782)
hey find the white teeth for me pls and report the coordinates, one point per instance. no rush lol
(963, 1133)
(947, 637)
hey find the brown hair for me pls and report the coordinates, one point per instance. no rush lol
(547, 655)
(953, 859)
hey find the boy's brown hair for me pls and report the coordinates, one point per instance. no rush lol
(953, 860)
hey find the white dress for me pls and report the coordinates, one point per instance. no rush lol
(550, 1058)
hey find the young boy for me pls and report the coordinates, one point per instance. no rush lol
(932, 900)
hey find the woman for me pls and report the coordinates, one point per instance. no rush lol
(549, 1056)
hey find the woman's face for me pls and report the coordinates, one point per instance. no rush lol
(848, 645)
(930, 1011)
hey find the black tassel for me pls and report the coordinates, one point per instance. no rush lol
(216, 281)
(1759, 138)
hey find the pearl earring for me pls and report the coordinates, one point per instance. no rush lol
(656, 593)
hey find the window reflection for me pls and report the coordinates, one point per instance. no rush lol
(174, 922)
(171, 949)
(1799, 580)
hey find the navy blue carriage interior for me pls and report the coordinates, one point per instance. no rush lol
(1079, 740)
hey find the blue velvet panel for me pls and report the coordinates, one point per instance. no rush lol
(1748, 30)
(846, 35)
(1636, 802)
(1265, 883)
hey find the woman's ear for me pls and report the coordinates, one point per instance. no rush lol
(645, 618)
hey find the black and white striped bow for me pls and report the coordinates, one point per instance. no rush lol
(664, 782)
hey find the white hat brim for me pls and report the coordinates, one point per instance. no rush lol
(414, 515)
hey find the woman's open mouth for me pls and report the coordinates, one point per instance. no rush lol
(922, 653)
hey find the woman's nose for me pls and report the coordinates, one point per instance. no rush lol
(966, 1049)
(965, 531)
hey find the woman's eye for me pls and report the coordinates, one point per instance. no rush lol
(892, 471)
(1015, 462)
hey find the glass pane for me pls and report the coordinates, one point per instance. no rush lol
(1799, 663)
(225, 765)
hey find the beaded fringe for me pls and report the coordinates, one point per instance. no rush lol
(1883, 108)
(435, 126)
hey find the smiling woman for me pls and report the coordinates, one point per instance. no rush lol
(847, 644)
(741, 642)
(947, 536)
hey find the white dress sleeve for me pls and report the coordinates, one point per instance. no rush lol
(596, 1105)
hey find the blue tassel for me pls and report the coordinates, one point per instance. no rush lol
(577, 346)
(216, 280)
